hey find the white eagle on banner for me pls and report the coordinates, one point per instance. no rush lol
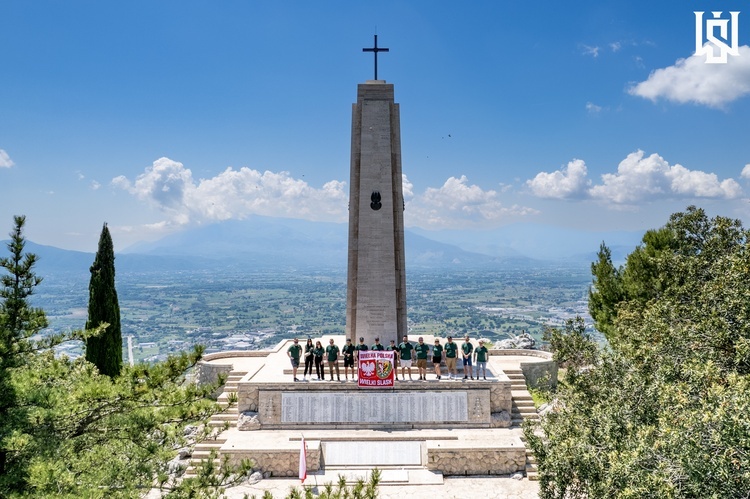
(368, 368)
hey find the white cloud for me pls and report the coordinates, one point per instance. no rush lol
(592, 51)
(638, 179)
(458, 204)
(641, 179)
(95, 185)
(407, 188)
(593, 108)
(568, 182)
(5, 161)
(615, 46)
(236, 194)
(746, 172)
(693, 80)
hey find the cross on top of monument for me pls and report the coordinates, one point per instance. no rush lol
(375, 49)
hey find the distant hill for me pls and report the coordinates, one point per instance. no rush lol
(269, 243)
(540, 242)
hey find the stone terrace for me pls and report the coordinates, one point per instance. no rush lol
(481, 437)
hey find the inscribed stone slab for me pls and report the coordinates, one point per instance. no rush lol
(373, 453)
(370, 407)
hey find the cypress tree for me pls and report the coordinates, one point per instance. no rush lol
(105, 350)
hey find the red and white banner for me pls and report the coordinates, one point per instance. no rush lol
(376, 369)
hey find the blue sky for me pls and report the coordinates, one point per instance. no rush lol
(159, 116)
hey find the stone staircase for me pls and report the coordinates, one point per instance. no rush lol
(202, 451)
(228, 417)
(522, 409)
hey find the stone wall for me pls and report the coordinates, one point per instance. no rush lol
(279, 462)
(247, 397)
(472, 461)
(481, 401)
(500, 397)
(209, 374)
(537, 371)
(540, 373)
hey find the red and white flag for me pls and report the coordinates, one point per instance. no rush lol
(303, 461)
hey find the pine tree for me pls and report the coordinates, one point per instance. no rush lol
(105, 350)
(18, 322)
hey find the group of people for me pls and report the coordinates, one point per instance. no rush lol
(404, 354)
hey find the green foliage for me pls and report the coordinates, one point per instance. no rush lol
(662, 413)
(18, 322)
(67, 430)
(104, 350)
(360, 490)
(573, 347)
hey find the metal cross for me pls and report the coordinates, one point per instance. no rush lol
(375, 50)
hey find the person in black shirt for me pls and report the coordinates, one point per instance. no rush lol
(348, 353)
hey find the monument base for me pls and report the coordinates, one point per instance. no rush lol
(415, 431)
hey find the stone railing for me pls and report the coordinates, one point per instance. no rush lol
(542, 370)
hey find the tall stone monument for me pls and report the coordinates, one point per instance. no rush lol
(376, 281)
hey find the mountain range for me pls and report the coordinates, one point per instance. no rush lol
(263, 242)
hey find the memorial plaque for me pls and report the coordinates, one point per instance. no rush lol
(373, 453)
(374, 407)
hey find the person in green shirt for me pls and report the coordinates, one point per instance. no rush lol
(480, 356)
(437, 357)
(404, 353)
(377, 345)
(422, 350)
(361, 346)
(451, 350)
(332, 353)
(294, 352)
(466, 349)
(318, 353)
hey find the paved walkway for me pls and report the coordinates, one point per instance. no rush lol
(452, 488)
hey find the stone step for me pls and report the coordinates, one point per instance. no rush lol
(519, 396)
(523, 403)
(532, 468)
(192, 470)
(532, 476)
(524, 415)
(220, 424)
(224, 417)
(531, 459)
(388, 476)
(207, 449)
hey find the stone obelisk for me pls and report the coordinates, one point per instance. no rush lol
(376, 281)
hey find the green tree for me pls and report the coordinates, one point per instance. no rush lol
(67, 430)
(18, 322)
(662, 411)
(104, 350)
